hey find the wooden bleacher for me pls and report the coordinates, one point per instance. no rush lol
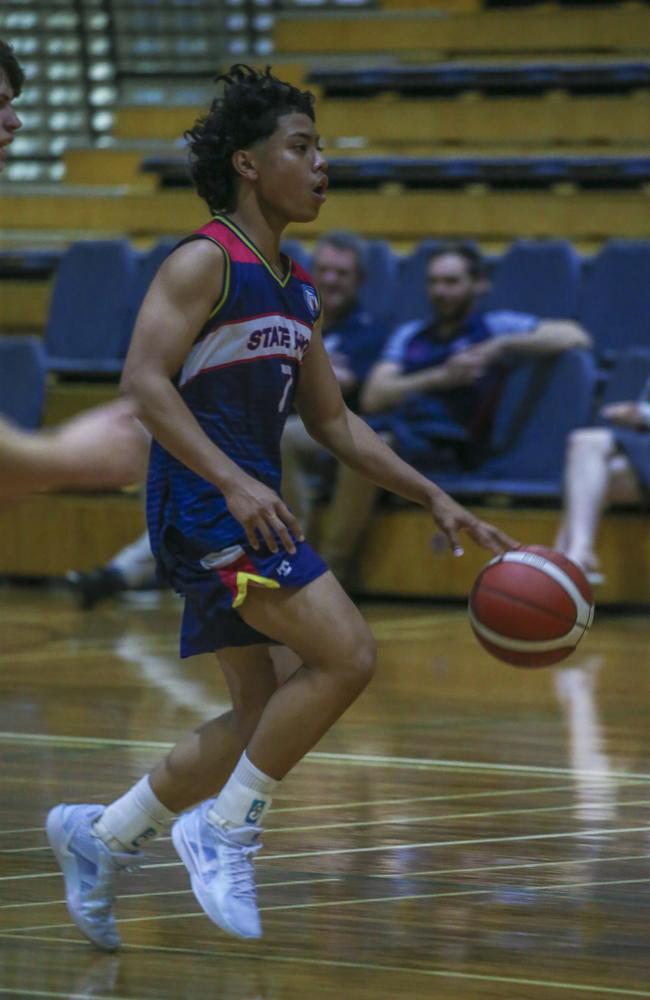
(48, 535)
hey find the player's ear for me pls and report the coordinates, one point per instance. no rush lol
(244, 164)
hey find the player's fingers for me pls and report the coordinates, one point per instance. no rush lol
(282, 533)
(449, 530)
(291, 521)
(267, 534)
(251, 535)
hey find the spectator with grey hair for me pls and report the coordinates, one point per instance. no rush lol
(353, 339)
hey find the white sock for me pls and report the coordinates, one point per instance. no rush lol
(245, 798)
(132, 819)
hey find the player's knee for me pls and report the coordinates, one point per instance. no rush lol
(361, 661)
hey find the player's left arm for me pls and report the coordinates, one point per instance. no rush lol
(329, 421)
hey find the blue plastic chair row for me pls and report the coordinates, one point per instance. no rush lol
(99, 286)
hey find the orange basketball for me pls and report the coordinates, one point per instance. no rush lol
(530, 607)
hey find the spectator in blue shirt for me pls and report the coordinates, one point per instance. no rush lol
(354, 341)
(434, 391)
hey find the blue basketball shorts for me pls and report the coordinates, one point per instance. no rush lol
(215, 585)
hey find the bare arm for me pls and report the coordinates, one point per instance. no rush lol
(387, 386)
(175, 309)
(349, 438)
(103, 448)
(550, 337)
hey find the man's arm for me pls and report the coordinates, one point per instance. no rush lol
(175, 309)
(335, 427)
(103, 448)
(387, 386)
(551, 336)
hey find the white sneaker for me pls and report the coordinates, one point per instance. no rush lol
(220, 864)
(90, 871)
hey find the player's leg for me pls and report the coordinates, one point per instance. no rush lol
(94, 844)
(200, 763)
(594, 468)
(217, 840)
(348, 517)
(323, 627)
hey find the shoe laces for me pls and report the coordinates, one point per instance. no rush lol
(237, 861)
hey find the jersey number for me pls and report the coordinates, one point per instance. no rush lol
(286, 370)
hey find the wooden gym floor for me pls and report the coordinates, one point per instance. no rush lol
(467, 830)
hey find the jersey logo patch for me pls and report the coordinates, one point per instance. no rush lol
(311, 299)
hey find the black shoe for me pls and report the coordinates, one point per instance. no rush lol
(90, 588)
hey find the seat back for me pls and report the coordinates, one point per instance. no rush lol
(91, 310)
(615, 298)
(22, 380)
(537, 276)
(629, 376)
(542, 402)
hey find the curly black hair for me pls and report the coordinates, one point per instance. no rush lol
(248, 110)
(12, 68)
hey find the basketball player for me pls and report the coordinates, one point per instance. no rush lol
(227, 338)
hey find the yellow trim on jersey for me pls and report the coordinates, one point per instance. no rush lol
(243, 579)
(258, 253)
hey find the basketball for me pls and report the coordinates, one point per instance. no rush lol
(530, 607)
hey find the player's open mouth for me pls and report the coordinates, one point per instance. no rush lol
(320, 190)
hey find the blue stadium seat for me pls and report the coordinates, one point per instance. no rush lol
(542, 403)
(378, 292)
(148, 264)
(91, 310)
(540, 277)
(411, 299)
(614, 298)
(22, 380)
(628, 376)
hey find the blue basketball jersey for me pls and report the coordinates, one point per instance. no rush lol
(239, 381)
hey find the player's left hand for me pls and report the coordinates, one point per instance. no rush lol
(451, 518)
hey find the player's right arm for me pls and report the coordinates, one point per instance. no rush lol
(175, 309)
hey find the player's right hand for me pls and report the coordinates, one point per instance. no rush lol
(262, 513)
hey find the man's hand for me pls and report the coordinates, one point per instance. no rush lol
(624, 414)
(451, 518)
(464, 368)
(260, 511)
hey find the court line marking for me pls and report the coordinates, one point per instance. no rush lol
(357, 901)
(343, 877)
(387, 847)
(382, 802)
(340, 964)
(325, 757)
(398, 821)
(174, 892)
(68, 995)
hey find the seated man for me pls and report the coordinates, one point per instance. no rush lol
(436, 387)
(604, 465)
(353, 340)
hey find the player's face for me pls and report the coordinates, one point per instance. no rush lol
(337, 276)
(450, 286)
(292, 171)
(9, 120)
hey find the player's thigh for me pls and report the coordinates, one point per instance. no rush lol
(318, 622)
